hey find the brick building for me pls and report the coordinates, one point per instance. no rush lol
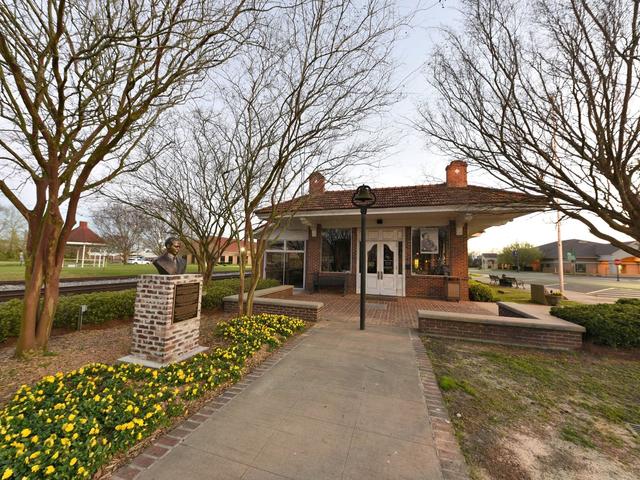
(416, 235)
(588, 258)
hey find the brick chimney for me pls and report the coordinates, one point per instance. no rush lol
(457, 174)
(83, 225)
(316, 183)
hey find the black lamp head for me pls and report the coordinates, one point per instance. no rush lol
(363, 197)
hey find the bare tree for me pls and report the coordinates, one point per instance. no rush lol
(154, 235)
(80, 85)
(544, 96)
(184, 187)
(120, 226)
(302, 100)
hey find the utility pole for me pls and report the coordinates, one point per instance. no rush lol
(558, 223)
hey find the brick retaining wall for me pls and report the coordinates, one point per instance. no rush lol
(277, 300)
(503, 334)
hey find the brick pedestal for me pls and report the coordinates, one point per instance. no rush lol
(157, 339)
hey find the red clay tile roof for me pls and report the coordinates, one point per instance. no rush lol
(83, 234)
(413, 196)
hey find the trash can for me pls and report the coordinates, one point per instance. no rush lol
(452, 289)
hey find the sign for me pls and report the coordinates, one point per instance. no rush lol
(617, 261)
(186, 301)
(428, 240)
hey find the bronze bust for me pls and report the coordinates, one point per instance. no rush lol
(169, 263)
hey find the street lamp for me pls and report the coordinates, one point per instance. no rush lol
(363, 198)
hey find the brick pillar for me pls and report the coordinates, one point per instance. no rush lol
(459, 258)
(157, 339)
(313, 257)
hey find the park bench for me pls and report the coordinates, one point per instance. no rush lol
(328, 280)
(510, 281)
(494, 279)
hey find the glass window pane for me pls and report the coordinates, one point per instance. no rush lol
(294, 270)
(275, 245)
(336, 250)
(430, 251)
(388, 260)
(274, 266)
(372, 259)
(295, 245)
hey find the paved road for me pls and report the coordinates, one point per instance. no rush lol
(343, 404)
(598, 286)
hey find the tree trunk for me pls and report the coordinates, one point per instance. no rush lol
(241, 289)
(44, 265)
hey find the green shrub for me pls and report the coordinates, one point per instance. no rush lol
(628, 301)
(479, 292)
(105, 306)
(615, 325)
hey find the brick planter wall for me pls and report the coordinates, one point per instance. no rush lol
(155, 338)
(278, 308)
(277, 300)
(507, 335)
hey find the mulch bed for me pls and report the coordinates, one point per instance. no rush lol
(69, 350)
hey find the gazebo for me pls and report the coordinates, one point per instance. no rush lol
(83, 239)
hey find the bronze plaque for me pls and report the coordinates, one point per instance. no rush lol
(185, 302)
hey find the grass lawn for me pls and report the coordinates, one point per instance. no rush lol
(517, 295)
(532, 414)
(13, 270)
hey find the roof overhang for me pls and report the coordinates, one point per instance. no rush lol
(477, 217)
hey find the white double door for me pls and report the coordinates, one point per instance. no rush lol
(382, 268)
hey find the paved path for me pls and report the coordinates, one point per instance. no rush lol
(343, 404)
(393, 311)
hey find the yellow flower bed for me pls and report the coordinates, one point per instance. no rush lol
(69, 425)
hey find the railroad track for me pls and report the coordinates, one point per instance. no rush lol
(89, 285)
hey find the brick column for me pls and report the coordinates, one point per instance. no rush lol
(459, 258)
(312, 262)
(156, 339)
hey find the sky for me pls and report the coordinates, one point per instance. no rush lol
(411, 161)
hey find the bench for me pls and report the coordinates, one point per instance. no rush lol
(514, 280)
(494, 279)
(329, 280)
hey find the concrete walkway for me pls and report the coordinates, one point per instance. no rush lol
(343, 404)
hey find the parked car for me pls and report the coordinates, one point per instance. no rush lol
(138, 261)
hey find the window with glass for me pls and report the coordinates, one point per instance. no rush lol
(336, 250)
(284, 262)
(430, 251)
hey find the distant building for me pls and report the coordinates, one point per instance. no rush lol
(85, 244)
(588, 258)
(231, 254)
(489, 261)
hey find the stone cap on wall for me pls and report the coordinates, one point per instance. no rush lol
(551, 323)
(262, 298)
(263, 292)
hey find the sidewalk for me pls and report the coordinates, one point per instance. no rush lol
(343, 404)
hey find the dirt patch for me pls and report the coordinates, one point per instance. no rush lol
(532, 414)
(69, 350)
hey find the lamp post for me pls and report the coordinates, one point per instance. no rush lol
(363, 198)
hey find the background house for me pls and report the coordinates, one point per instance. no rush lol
(588, 258)
(231, 254)
(489, 261)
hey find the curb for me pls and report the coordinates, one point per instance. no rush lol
(452, 462)
(167, 442)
